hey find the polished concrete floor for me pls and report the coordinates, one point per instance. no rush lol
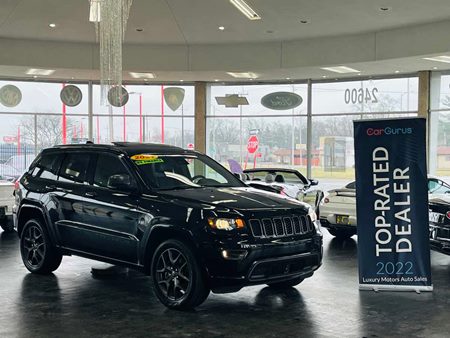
(72, 303)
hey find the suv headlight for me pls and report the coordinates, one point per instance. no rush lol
(226, 224)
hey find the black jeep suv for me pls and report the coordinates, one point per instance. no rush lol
(175, 214)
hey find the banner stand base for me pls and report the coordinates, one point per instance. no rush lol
(378, 288)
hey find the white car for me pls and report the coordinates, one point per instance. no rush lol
(6, 205)
(338, 208)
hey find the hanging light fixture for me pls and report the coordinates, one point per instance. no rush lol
(110, 18)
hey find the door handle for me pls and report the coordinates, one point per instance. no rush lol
(90, 194)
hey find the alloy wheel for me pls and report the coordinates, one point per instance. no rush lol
(173, 274)
(34, 246)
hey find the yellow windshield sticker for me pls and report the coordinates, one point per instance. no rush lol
(142, 159)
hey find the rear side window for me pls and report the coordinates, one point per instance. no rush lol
(48, 166)
(74, 168)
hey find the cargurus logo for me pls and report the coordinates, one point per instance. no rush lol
(389, 131)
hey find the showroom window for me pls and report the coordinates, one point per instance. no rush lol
(35, 117)
(258, 125)
(238, 113)
(439, 125)
(335, 105)
(153, 113)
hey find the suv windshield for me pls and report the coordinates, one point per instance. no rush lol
(167, 172)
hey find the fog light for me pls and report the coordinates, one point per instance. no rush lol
(235, 255)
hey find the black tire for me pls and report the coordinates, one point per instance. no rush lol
(286, 284)
(341, 233)
(38, 254)
(178, 279)
(7, 226)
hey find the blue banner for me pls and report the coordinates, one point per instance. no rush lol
(392, 204)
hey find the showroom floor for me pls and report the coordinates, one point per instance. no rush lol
(71, 303)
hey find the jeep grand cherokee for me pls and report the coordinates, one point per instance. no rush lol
(174, 214)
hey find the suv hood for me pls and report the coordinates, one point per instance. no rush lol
(233, 198)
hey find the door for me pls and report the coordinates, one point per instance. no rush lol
(110, 208)
(67, 194)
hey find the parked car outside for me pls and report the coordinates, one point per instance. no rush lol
(439, 217)
(174, 214)
(8, 173)
(338, 207)
(20, 162)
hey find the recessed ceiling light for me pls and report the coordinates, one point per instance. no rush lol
(288, 78)
(341, 69)
(37, 71)
(243, 75)
(52, 25)
(385, 9)
(221, 28)
(435, 68)
(35, 76)
(359, 74)
(397, 71)
(304, 21)
(442, 58)
(251, 79)
(181, 80)
(216, 80)
(142, 75)
(324, 76)
(245, 9)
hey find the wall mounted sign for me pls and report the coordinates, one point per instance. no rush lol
(174, 97)
(361, 95)
(71, 95)
(10, 96)
(281, 100)
(231, 100)
(118, 96)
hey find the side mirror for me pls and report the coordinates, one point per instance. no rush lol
(313, 182)
(120, 182)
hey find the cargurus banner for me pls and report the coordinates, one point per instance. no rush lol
(392, 205)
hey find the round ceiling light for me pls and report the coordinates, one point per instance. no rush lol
(221, 28)
(52, 25)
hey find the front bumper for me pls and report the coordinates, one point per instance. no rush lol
(332, 225)
(262, 263)
(440, 238)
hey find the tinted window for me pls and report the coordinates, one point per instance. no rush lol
(107, 166)
(74, 168)
(48, 166)
(351, 185)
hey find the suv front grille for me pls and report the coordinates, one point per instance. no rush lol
(281, 226)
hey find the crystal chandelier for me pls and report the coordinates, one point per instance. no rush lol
(110, 17)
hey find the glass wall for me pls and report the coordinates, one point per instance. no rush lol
(282, 133)
(335, 105)
(258, 125)
(439, 125)
(34, 117)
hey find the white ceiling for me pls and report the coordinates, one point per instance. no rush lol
(187, 36)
